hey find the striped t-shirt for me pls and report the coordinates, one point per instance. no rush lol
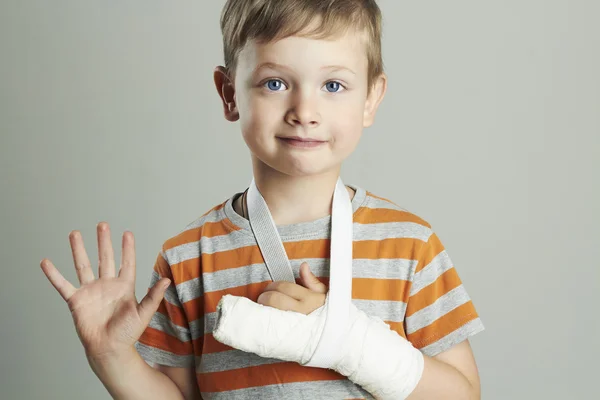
(401, 273)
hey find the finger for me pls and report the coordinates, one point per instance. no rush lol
(106, 264)
(63, 286)
(310, 281)
(127, 269)
(151, 301)
(280, 301)
(290, 289)
(82, 263)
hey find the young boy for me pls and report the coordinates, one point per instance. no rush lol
(303, 78)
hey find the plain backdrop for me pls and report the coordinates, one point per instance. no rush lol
(489, 131)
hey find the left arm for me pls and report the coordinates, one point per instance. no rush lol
(451, 374)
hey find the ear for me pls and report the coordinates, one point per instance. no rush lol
(226, 90)
(374, 99)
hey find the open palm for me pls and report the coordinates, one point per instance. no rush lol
(107, 316)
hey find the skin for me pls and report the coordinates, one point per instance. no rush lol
(277, 92)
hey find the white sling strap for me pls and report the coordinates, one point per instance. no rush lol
(340, 269)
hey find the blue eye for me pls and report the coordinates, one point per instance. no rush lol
(333, 86)
(274, 85)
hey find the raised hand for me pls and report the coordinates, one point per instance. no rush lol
(107, 316)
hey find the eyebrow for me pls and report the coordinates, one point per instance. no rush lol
(272, 65)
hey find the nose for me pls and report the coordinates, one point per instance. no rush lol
(303, 111)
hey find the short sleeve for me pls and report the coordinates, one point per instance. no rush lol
(439, 311)
(167, 339)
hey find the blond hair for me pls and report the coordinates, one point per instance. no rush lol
(270, 20)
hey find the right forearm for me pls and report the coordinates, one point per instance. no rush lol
(129, 377)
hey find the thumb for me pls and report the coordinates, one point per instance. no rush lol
(151, 300)
(310, 281)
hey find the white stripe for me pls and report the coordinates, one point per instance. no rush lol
(231, 359)
(459, 335)
(392, 311)
(157, 356)
(340, 389)
(257, 273)
(171, 295)
(391, 230)
(375, 203)
(213, 216)
(163, 323)
(443, 305)
(240, 239)
(430, 273)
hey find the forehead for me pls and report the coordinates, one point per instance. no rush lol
(303, 53)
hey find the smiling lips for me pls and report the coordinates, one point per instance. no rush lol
(297, 141)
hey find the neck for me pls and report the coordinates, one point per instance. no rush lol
(292, 199)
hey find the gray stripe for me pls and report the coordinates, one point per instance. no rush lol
(232, 359)
(383, 268)
(184, 252)
(212, 216)
(440, 264)
(187, 249)
(464, 332)
(234, 277)
(257, 273)
(170, 294)
(197, 327)
(210, 320)
(392, 311)
(190, 290)
(342, 389)
(164, 324)
(239, 239)
(443, 305)
(375, 203)
(391, 230)
(153, 355)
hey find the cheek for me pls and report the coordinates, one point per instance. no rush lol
(257, 114)
(348, 123)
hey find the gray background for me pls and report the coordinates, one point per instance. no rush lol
(489, 131)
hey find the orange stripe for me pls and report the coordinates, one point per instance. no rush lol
(398, 327)
(186, 270)
(406, 248)
(381, 198)
(198, 344)
(444, 325)
(252, 291)
(194, 309)
(381, 215)
(214, 229)
(380, 289)
(161, 267)
(248, 255)
(163, 341)
(190, 235)
(173, 313)
(263, 375)
(212, 345)
(446, 282)
(230, 259)
(432, 248)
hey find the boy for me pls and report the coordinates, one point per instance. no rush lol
(303, 78)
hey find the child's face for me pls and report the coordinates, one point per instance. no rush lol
(313, 90)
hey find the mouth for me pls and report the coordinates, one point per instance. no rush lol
(302, 142)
